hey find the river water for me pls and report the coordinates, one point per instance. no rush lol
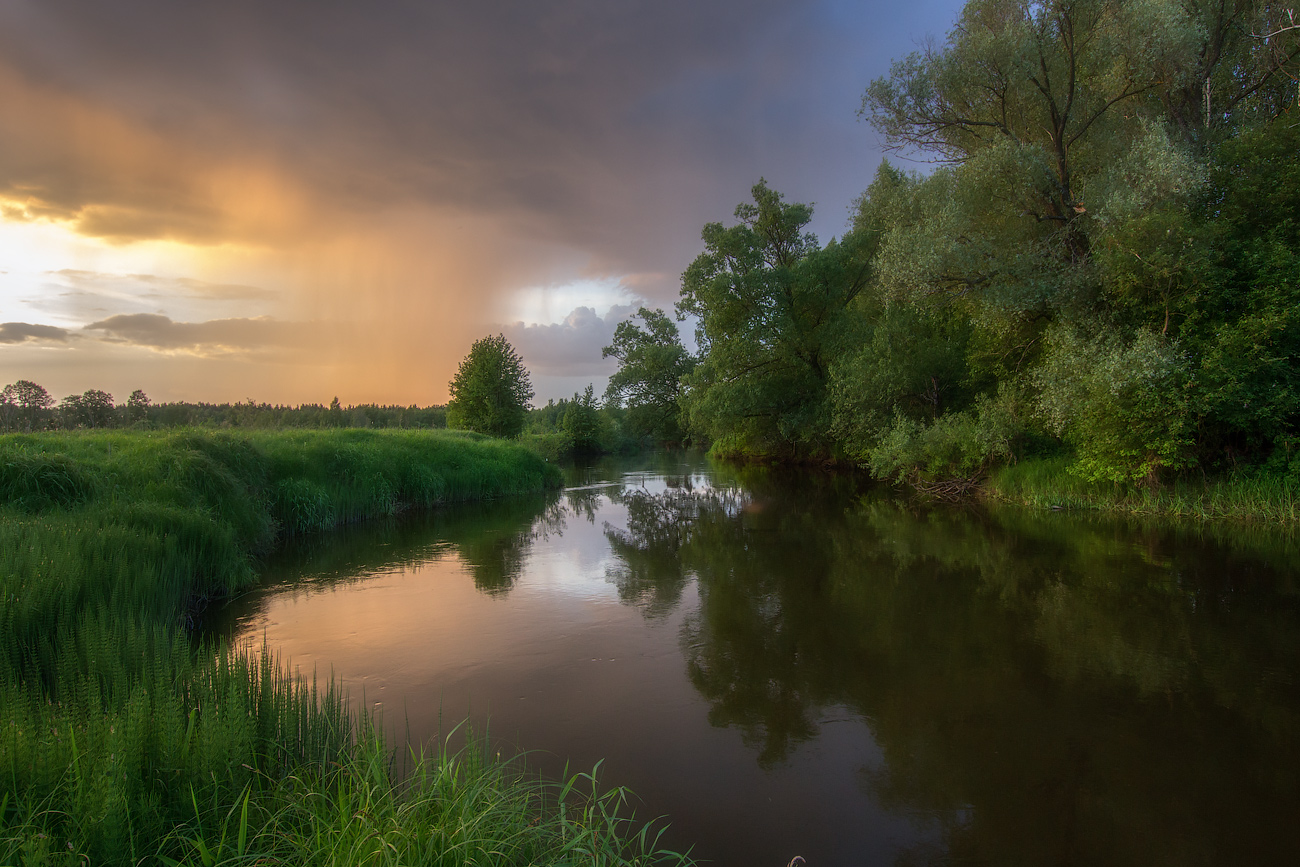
(785, 664)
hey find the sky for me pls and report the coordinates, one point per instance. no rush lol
(292, 201)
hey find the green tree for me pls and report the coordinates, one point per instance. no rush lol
(137, 406)
(491, 391)
(93, 409)
(770, 307)
(1067, 229)
(1121, 404)
(25, 406)
(581, 422)
(651, 364)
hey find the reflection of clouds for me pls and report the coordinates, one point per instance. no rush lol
(21, 332)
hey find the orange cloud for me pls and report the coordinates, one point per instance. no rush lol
(95, 170)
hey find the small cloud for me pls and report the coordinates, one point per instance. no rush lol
(571, 347)
(216, 336)
(154, 286)
(21, 332)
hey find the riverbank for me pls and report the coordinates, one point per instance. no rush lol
(1047, 483)
(121, 740)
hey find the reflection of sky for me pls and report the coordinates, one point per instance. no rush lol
(573, 563)
(1035, 681)
(559, 664)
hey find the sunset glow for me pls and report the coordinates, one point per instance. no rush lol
(295, 204)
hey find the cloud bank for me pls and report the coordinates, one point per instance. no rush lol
(399, 171)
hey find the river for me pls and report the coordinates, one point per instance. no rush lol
(788, 664)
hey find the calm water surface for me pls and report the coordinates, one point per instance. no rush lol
(803, 666)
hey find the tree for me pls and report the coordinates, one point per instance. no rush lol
(769, 303)
(137, 406)
(491, 391)
(26, 405)
(93, 409)
(581, 422)
(651, 364)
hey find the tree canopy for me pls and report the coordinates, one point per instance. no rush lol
(768, 302)
(652, 362)
(1102, 262)
(491, 391)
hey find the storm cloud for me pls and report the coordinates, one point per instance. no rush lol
(416, 164)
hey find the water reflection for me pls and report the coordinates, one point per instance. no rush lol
(905, 685)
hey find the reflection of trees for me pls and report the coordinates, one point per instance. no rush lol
(758, 559)
(492, 539)
(495, 548)
(1054, 690)
(1045, 689)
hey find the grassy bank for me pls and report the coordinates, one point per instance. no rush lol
(121, 741)
(1049, 484)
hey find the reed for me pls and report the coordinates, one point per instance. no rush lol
(1272, 498)
(122, 739)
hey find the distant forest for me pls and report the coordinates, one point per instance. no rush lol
(26, 406)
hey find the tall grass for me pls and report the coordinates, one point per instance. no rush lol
(121, 739)
(1048, 483)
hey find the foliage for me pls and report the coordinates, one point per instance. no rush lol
(24, 405)
(1106, 254)
(582, 422)
(137, 406)
(141, 412)
(652, 363)
(582, 426)
(949, 455)
(94, 409)
(769, 303)
(491, 391)
(1122, 406)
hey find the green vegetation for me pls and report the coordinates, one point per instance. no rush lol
(583, 426)
(122, 741)
(491, 391)
(26, 407)
(1103, 266)
(652, 363)
(1049, 483)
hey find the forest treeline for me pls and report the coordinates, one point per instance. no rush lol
(26, 406)
(1102, 263)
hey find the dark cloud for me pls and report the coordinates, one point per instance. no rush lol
(20, 332)
(405, 169)
(217, 336)
(614, 127)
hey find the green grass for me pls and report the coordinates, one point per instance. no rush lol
(1049, 483)
(123, 741)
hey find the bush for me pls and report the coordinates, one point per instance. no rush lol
(1121, 404)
